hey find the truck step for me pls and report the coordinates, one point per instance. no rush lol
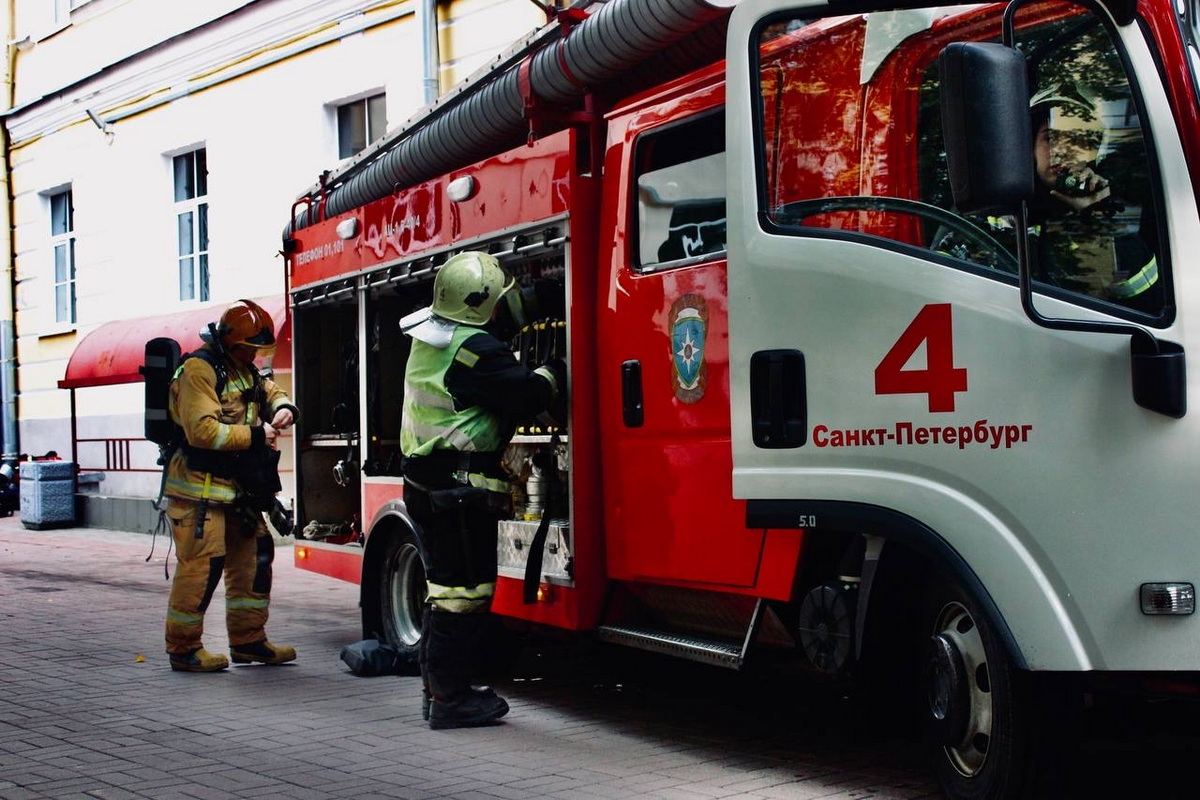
(716, 652)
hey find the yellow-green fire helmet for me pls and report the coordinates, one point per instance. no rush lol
(468, 287)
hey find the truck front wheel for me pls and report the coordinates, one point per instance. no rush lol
(977, 715)
(402, 593)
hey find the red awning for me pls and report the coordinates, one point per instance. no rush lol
(112, 353)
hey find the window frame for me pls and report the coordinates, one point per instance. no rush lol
(61, 10)
(1164, 319)
(64, 239)
(196, 207)
(635, 172)
(362, 102)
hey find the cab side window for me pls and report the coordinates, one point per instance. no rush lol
(852, 147)
(680, 175)
(1093, 229)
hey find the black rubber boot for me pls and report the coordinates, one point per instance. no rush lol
(427, 698)
(470, 708)
(451, 643)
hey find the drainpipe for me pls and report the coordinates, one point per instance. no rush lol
(8, 306)
(428, 22)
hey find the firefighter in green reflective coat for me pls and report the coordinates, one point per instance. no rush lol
(464, 392)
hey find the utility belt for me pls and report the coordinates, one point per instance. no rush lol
(221, 463)
(464, 498)
(447, 469)
(255, 471)
(457, 481)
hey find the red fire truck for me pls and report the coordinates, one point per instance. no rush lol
(876, 332)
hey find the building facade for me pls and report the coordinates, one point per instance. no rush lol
(154, 149)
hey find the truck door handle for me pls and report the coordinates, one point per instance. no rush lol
(778, 402)
(631, 394)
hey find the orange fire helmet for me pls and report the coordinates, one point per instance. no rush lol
(247, 323)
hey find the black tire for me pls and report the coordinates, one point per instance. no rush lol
(977, 715)
(402, 593)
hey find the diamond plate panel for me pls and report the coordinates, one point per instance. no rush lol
(512, 548)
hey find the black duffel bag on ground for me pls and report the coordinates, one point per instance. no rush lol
(372, 657)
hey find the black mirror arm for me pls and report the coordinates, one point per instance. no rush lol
(1158, 368)
(1144, 339)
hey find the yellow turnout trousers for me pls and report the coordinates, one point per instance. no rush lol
(234, 543)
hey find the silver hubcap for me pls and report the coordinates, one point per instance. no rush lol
(408, 591)
(960, 689)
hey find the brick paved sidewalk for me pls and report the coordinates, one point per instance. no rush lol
(89, 708)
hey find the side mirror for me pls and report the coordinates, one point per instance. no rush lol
(985, 122)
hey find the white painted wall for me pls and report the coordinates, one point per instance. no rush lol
(254, 83)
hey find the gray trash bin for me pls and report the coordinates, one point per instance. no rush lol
(47, 494)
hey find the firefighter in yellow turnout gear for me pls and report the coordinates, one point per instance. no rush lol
(464, 392)
(218, 482)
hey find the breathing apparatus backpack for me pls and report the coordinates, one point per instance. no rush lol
(162, 360)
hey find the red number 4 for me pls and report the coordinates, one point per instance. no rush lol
(940, 379)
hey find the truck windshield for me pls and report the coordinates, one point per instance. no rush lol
(856, 150)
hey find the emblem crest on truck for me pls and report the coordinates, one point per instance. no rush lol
(689, 324)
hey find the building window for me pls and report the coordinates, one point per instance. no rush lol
(191, 220)
(360, 123)
(62, 239)
(63, 9)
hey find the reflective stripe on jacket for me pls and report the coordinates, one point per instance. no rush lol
(461, 599)
(1134, 285)
(430, 421)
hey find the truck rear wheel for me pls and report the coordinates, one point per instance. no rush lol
(402, 593)
(977, 715)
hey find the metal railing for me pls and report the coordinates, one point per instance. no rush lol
(118, 455)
